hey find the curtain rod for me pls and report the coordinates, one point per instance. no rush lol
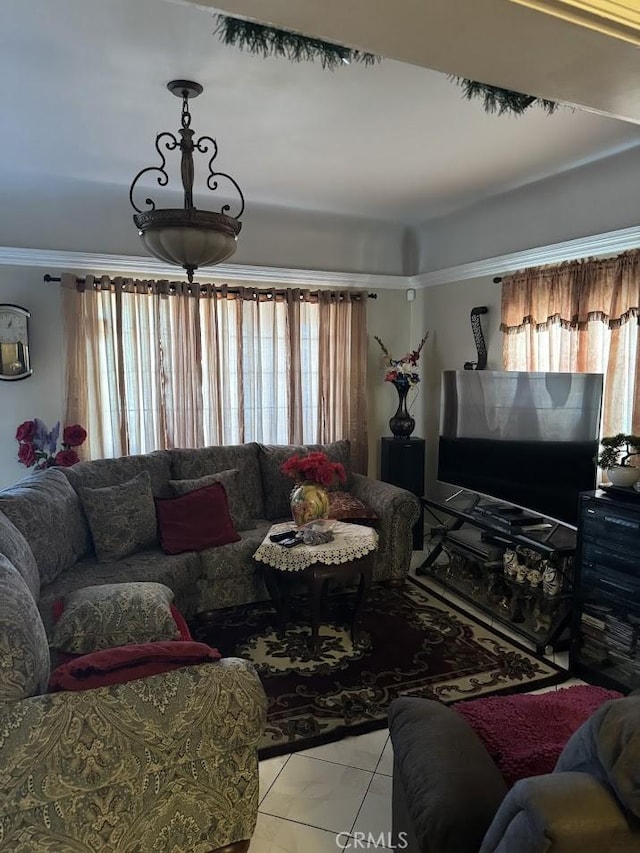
(81, 280)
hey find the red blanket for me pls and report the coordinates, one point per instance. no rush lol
(525, 734)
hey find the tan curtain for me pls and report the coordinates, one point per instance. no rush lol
(580, 316)
(342, 404)
(157, 364)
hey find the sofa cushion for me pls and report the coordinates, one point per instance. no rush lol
(98, 473)
(179, 572)
(24, 651)
(277, 486)
(196, 520)
(122, 518)
(193, 463)
(233, 487)
(46, 510)
(126, 663)
(229, 574)
(16, 549)
(100, 617)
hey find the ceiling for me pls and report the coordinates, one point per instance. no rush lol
(83, 84)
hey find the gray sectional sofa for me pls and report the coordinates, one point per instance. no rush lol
(46, 508)
(166, 762)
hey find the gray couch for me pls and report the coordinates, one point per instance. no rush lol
(167, 762)
(47, 510)
(449, 797)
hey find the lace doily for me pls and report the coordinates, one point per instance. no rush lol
(351, 542)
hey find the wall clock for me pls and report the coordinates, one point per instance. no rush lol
(14, 342)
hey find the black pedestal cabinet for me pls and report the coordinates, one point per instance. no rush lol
(402, 463)
(605, 645)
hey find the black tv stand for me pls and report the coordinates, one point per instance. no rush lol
(531, 590)
(474, 499)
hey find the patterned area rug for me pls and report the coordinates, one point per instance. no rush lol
(411, 642)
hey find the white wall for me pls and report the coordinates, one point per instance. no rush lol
(40, 395)
(93, 217)
(592, 199)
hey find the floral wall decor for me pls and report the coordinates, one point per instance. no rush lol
(38, 445)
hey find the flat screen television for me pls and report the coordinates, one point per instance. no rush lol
(527, 438)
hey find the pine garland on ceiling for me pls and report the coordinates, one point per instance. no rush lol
(497, 100)
(269, 41)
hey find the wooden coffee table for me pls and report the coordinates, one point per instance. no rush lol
(348, 557)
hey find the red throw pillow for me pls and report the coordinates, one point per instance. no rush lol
(195, 521)
(126, 663)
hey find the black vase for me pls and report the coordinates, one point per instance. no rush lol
(402, 424)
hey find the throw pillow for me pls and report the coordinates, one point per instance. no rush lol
(195, 521)
(233, 487)
(347, 507)
(122, 518)
(126, 663)
(115, 614)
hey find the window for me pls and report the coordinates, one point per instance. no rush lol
(580, 317)
(153, 365)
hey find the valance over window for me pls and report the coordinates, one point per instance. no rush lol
(580, 316)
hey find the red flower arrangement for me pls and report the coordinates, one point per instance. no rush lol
(314, 468)
(38, 444)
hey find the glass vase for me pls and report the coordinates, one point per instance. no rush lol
(308, 502)
(402, 424)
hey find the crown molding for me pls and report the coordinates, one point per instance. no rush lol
(96, 264)
(598, 244)
(618, 18)
(595, 245)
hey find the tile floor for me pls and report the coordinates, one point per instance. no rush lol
(314, 801)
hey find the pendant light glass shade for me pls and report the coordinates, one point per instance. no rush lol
(188, 237)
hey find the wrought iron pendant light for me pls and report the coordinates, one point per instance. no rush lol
(188, 237)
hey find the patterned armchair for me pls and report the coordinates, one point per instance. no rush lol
(163, 763)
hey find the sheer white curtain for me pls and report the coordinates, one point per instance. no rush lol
(152, 365)
(580, 317)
